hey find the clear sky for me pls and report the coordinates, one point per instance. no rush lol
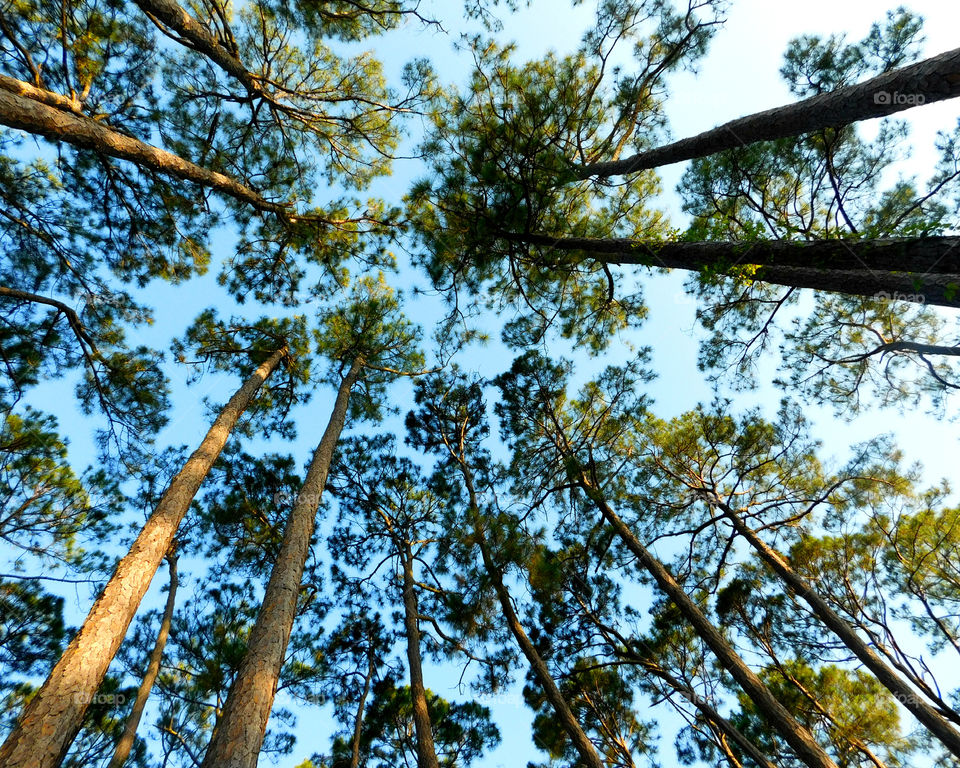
(738, 76)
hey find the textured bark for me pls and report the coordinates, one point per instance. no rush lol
(579, 739)
(122, 752)
(925, 82)
(919, 270)
(426, 753)
(798, 737)
(242, 724)
(51, 720)
(39, 94)
(903, 693)
(36, 116)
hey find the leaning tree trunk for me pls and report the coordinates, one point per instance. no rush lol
(51, 720)
(426, 752)
(361, 704)
(907, 696)
(41, 112)
(922, 270)
(925, 82)
(580, 740)
(797, 736)
(240, 729)
(122, 752)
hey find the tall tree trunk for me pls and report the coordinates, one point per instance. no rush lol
(925, 82)
(125, 744)
(426, 753)
(361, 704)
(240, 729)
(906, 695)
(575, 732)
(920, 270)
(50, 721)
(798, 737)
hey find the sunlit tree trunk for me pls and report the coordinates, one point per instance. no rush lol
(242, 725)
(51, 720)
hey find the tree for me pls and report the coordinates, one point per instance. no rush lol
(502, 210)
(451, 422)
(370, 343)
(547, 439)
(51, 720)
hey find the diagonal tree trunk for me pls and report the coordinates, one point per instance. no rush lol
(361, 704)
(242, 724)
(125, 744)
(33, 113)
(925, 82)
(907, 696)
(51, 720)
(798, 737)
(426, 752)
(581, 742)
(920, 270)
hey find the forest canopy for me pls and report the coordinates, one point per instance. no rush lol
(406, 383)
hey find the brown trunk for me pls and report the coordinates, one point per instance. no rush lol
(925, 82)
(238, 735)
(358, 720)
(125, 744)
(798, 737)
(906, 695)
(920, 270)
(35, 115)
(580, 740)
(51, 720)
(426, 753)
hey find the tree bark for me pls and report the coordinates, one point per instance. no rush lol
(125, 744)
(919, 270)
(426, 752)
(240, 729)
(925, 82)
(798, 737)
(50, 721)
(903, 693)
(575, 732)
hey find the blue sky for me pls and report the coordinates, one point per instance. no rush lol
(738, 76)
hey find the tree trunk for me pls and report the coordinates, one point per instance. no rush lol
(50, 721)
(901, 691)
(575, 732)
(358, 720)
(919, 270)
(125, 744)
(33, 113)
(925, 82)
(798, 737)
(240, 729)
(426, 753)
